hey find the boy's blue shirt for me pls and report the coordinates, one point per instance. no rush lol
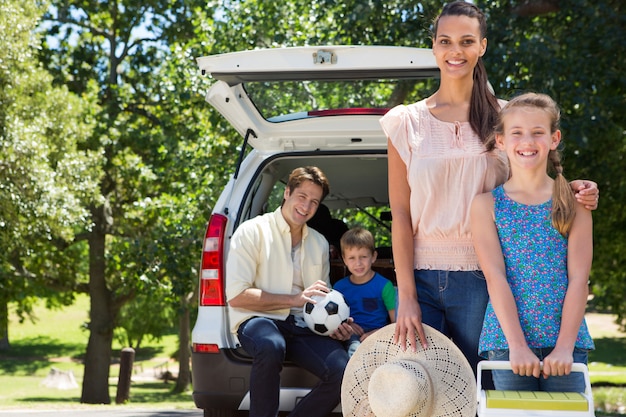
(369, 302)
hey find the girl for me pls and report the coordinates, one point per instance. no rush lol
(534, 244)
(437, 164)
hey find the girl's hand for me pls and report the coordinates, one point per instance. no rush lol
(524, 362)
(558, 363)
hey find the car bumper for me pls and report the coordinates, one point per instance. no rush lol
(222, 381)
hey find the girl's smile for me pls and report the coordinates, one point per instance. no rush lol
(527, 138)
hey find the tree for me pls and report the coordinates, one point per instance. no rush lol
(46, 179)
(555, 50)
(166, 154)
(122, 49)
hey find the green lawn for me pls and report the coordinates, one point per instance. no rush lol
(57, 339)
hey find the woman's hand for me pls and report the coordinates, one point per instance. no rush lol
(586, 193)
(409, 325)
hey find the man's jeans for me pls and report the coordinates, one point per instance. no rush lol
(507, 380)
(270, 342)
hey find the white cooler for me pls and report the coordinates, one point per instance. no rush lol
(493, 403)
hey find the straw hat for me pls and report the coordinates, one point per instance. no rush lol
(382, 380)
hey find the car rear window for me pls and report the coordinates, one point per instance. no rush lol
(279, 101)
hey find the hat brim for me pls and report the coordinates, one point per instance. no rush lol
(452, 378)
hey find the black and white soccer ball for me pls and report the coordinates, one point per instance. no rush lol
(327, 314)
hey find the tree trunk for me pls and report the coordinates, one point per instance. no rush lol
(101, 320)
(184, 354)
(532, 8)
(4, 325)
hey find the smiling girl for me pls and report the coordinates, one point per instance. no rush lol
(534, 244)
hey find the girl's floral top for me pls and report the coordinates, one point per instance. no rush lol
(535, 255)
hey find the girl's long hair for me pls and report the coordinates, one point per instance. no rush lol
(563, 202)
(484, 106)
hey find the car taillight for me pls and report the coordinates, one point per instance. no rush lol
(205, 348)
(212, 270)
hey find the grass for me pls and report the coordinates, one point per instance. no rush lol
(57, 339)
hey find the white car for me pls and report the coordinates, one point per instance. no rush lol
(295, 107)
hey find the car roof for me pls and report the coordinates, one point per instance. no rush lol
(314, 97)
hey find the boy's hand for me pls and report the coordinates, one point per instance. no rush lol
(356, 328)
(366, 335)
(344, 331)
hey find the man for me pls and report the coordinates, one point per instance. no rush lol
(275, 265)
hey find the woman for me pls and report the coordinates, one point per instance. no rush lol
(437, 164)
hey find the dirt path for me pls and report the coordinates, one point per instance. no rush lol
(603, 325)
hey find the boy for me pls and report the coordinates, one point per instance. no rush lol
(371, 297)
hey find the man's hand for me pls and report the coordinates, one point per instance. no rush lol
(318, 288)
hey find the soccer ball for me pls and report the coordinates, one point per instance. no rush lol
(327, 314)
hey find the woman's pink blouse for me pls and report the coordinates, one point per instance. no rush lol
(447, 165)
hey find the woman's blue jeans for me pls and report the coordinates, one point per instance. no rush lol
(454, 303)
(507, 380)
(270, 342)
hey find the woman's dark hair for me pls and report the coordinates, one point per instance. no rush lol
(484, 106)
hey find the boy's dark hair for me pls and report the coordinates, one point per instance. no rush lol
(357, 237)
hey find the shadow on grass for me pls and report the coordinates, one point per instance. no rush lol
(11, 366)
(143, 353)
(33, 354)
(155, 392)
(140, 393)
(42, 347)
(27, 356)
(49, 400)
(609, 350)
